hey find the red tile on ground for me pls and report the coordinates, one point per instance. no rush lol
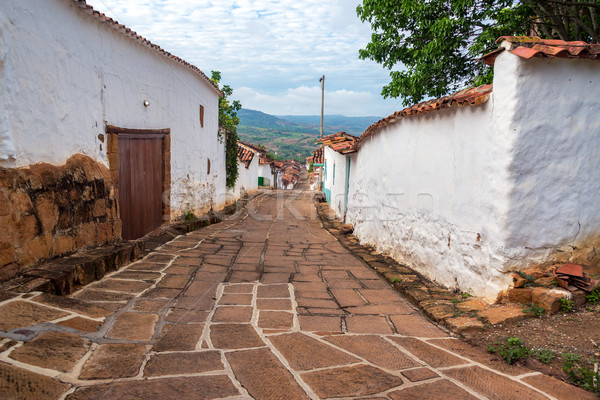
(304, 352)
(54, 350)
(492, 385)
(239, 288)
(317, 323)
(374, 349)
(183, 363)
(441, 389)
(348, 297)
(273, 304)
(261, 373)
(116, 360)
(233, 314)
(358, 380)
(236, 299)
(416, 325)
(275, 320)
(273, 291)
(133, 326)
(429, 354)
(178, 337)
(234, 336)
(368, 324)
(558, 389)
(18, 383)
(420, 374)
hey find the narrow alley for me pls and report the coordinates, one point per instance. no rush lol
(266, 305)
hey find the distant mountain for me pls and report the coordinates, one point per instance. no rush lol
(352, 125)
(293, 136)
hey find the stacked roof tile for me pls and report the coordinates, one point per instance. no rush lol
(522, 46)
(533, 46)
(318, 157)
(466, 97)
(102, 18)
(341, 142)
(245, 155)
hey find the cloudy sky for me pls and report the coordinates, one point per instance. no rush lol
(271, 52)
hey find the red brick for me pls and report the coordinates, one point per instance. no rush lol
(416, 325)
(244, 276)
(358, 380)
(261, 373)
(432, 356)
(273, 291)
(275, 320)
(182, 315)
(234, 336)
(492, 385)
(304, 352)
(374, 349)
(317, 323)
(233, 314)
(347, 297)
(368, 324)
(389, 308)
(275, 277)
(178, 337)
(236, 299)
(133, 326)
(117, 360)
(419, 374)
(442, 389)
(274, 304)
(183, 363)
(239, 288)
(558, 389)
(189, 387)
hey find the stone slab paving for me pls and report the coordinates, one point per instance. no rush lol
(265, 305)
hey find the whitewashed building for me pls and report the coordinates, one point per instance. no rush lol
(336, 170)
(493, 179)
(73, 81)
(247, 181)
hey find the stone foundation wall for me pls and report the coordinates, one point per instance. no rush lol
(48, 211)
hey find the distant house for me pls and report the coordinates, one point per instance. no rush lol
(127, 132)
(267, 173)
(492, 179)
(288, 173)
(316, 179)
(336, 176)
(248, 165)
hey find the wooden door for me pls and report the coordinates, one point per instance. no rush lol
(140, 182)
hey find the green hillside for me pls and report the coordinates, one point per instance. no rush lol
(293, 137)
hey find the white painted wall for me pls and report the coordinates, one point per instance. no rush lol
(264, 170)
(247, 181)
(336, 180)
(465, 195)
(64, 75)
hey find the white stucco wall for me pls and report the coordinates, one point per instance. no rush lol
(247, 181)
(466, 195)
(264, 170)
(336, 180)
(64, 76)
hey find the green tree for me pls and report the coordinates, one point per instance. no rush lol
(228, 121)
(435, 44)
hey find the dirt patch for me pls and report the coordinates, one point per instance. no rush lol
(576, 332)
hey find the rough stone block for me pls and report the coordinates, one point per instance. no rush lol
(63, 245)
(520, 295)
(99, 208)
(86, 235)
(47, 212)
(548, 299)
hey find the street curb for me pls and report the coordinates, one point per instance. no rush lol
(437, 302)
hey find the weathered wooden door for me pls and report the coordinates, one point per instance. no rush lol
(140, 182)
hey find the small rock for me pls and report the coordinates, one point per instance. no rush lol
(503, 314)
(464, 324)
(471, 305)
(518, 281)
(520, 295)
(548, 299)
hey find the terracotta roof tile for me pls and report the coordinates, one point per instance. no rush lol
(533, 46)
(102, 18)
(341, 142)
(318, 156)
(245, 155)
(466, 97)
(257, 149)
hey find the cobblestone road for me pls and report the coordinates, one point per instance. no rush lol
(266, 305)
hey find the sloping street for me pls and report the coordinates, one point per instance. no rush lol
(265, 305)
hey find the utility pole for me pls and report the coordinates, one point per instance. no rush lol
(322, 80)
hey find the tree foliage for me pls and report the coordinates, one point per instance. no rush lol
(228, 121)
(433, 45)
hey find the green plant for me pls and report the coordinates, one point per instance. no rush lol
(533, 309)
(593, 296)
(513, 350)
(566, 305)
(189, 215)
(529, 278)
(396, 279)
(579, 374)
(544, 355)
(455, 300)
(459, 313)
(467, 294)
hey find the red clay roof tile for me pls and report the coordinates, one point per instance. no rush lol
(533, 46)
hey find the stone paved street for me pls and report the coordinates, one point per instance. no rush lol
(265, 305)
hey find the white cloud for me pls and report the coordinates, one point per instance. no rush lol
(273, 48)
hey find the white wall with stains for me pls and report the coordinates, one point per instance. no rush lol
(64, 76)
(335, 180)
(247, 181)
(467, 194)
